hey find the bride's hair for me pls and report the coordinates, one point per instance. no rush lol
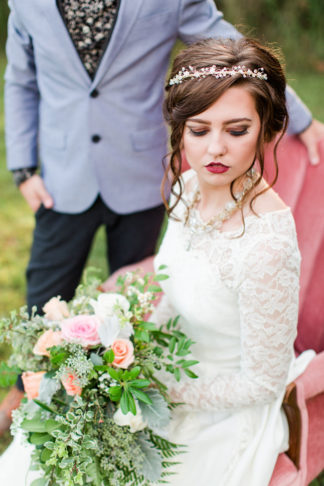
(190, 92)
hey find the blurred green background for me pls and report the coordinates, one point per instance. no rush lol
(296, 26)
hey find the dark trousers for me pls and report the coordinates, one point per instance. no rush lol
(62, 243)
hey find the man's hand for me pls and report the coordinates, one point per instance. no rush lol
(35, 193)
(310, 138)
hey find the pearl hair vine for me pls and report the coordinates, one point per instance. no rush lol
(190, 73)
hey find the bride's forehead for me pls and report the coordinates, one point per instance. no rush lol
(235, 103)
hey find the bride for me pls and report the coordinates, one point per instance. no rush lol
(233, 260)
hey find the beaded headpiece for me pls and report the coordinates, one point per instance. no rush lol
(190, 73)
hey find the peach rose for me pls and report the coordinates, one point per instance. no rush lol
(47, 340)
(124, 353)
(56, 309)
(71, 384)
(81, 329)
(32, 382)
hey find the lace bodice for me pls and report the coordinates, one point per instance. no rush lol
(238, 300)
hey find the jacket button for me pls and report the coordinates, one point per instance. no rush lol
(94, 93)
(96, 138)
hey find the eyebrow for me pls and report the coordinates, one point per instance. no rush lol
(227, 122)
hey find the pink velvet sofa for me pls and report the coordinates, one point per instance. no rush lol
(301, 186)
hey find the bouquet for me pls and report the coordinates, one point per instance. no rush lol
(95, 406)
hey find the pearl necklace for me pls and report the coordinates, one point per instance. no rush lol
(198, 227)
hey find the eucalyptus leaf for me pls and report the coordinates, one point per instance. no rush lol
(48, 387)
(157, 414)
(152, 464)
(96, 359)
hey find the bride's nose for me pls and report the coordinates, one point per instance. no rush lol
(216, 144)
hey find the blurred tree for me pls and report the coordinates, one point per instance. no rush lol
(4, 10)
(297, 26)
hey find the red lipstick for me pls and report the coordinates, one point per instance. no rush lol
(216, 168)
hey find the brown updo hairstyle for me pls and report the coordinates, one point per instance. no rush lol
(193, 96)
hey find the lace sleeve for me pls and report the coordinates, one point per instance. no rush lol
(267, 287)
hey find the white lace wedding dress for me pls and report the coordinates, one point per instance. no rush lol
(238, 298)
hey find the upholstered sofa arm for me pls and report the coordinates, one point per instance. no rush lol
(312, 380)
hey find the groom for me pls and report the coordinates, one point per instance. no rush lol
(83, 96)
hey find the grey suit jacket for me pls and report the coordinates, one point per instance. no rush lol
(104, 135)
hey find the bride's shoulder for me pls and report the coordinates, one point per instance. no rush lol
(267, 200)
(274, 218)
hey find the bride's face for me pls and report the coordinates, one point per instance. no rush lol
(220, 143)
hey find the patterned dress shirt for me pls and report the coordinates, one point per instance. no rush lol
(90, 24)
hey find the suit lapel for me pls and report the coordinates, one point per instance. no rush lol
(127, 15)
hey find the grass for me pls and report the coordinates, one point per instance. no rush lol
(16, 219)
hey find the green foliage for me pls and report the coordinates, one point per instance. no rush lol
(8, 375)
(295, 26)
(4, 10)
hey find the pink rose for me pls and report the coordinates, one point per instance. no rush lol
(71, 384)
(56, 309)
(47, 340)
(124, 353)
(81, 329)
(32, 382)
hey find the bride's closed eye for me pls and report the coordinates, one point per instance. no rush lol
(238, 132)
(197, 133)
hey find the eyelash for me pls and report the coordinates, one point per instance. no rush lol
(198, 133)
(235, 133)
(238, 133)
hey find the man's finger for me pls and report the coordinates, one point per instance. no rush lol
(313, 154)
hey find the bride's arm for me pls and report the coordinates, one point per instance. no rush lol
(268, 303)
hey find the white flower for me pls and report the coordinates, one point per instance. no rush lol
(107, 304)
(135, 422)
(111, 329)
